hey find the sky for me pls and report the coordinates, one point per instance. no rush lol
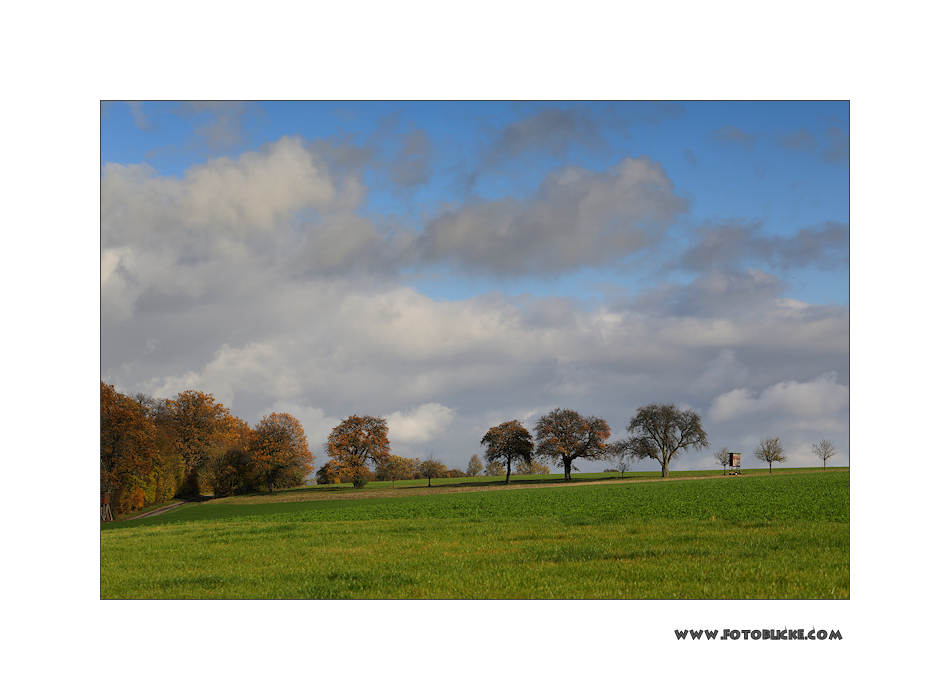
(453, 265)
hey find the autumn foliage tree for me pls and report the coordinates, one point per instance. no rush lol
(494, 469)
(660, 431)
(474, 466)
(433, 469)
(508, 442)
(533, 467)
(278, 447)
(564, 435)
(353, 443)
(127, 449)
(397, 468)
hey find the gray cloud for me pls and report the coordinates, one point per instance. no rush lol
(735, 243)
(552, 131)
(412, 165)
(576, 218)
(798, 140)
(734, 135)
(838, 149)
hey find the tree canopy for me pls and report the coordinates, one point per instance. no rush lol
(660, 431)
(824, 450)
(770, 450)
(508, 441)
(353, 443)
(564, 435)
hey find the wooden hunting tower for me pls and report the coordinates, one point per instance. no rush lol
(735, 463)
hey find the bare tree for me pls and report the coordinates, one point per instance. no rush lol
(659, 431)
(722, 459)
(770, 450)
(825, 451)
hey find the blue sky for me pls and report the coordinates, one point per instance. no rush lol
(764, 161)
(560, 215)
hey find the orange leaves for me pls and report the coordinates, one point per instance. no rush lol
(353, 443)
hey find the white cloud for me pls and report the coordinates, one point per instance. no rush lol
(419, 425)
(819, 403)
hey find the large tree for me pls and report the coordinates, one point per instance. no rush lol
(508, 441)
(203, 429)
(770, 450)
(824, 450)
(564, 435)
(353, 443)
(279, 449)
(127, 449)
(660, 431)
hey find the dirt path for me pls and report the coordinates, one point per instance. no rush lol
(317, 495)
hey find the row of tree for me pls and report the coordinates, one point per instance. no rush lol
(154, 449)
(770, 450)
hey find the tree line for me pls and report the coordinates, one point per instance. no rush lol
(152, 450)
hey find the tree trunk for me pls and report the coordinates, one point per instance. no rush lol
(430, 480)
(508, 475)
(567, 469)
(666, 469)
(770, 467)
(824, 463)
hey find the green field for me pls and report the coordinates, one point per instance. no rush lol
(779, 536)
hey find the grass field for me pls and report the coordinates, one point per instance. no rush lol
(779, 536)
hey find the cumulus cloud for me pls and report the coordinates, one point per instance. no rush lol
(412, 165)
(419, 425)
(576, 218)
(818, 403)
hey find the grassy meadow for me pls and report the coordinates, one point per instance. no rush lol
(779, 536)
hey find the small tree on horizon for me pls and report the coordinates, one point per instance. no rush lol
(433, 469)
(474, 466)
(825, 450)
(494, 469)
(353, 443)
(770, 450)
(722, 459)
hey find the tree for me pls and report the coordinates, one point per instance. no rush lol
(231, 473)
(825, 450)
(508, 441)
(397, 468)
(565, 435)
(203, 429)
(127, 449)
(722, 459)
(494, 469)
(280, 452)
(770, 450)
(532, 467)
(617, 453)
(659, 431)
(353, 443)
(474, 466)
(432, 469)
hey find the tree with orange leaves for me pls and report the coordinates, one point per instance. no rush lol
(127, 448)
(508, 441)
(353, 443)
(564, 435)
(203, 429)
(278, 447)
